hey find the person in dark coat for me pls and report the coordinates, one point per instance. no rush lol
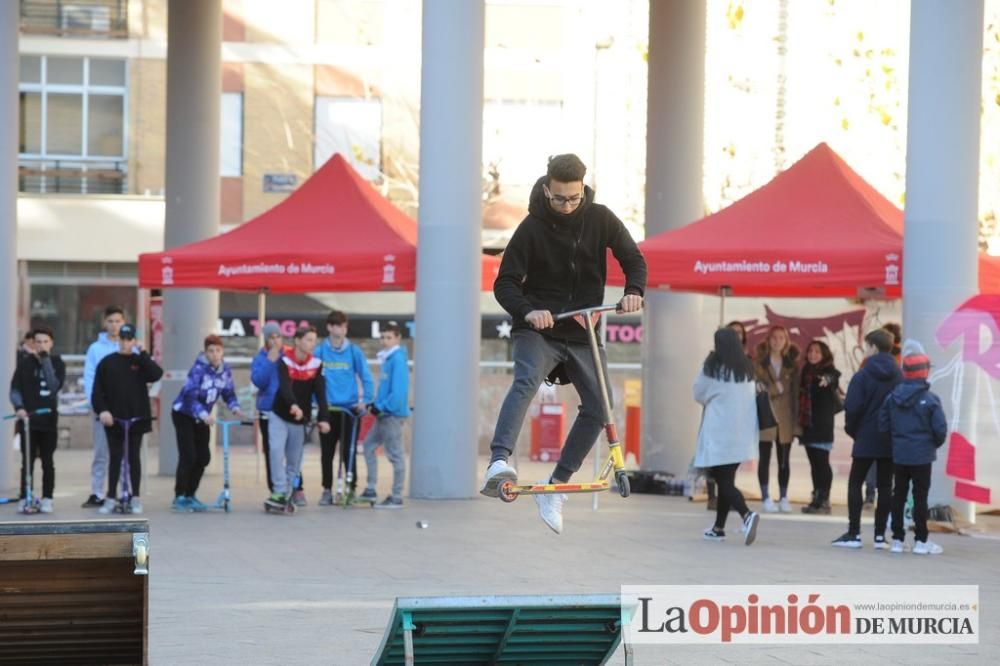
(818, 403)
(865, 394)
(912, 415)
(35, 385)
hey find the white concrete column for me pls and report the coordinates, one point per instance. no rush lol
(194, 75)
(9, 25)
(445, 422)
(942, 188)
(672, 343)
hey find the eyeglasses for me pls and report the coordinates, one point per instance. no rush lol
(557, 200)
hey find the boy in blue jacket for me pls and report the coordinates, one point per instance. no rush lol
(391, 407)
(913, 416)
(208, 380)
(343, 365)
(264, 375)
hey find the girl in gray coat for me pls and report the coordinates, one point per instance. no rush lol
(728, 434)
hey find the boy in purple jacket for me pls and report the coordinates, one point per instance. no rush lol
(208, 380)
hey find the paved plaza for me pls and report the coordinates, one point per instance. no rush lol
(317, 587)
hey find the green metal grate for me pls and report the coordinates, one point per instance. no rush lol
(577, 630)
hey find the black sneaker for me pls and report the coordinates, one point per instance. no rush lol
(369, 494)
(390, 503)
(714, 534)
(847, 540)
(93, 502)
(881, 543)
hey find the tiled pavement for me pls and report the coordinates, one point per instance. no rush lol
(316, 588)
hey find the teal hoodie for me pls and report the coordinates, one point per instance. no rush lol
(393, 396)
(341, 368)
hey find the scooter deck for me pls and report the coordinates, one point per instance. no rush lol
(509, 491)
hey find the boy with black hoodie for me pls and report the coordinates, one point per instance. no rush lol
(913, 416)
(300, 380)
(121, 391)
(556, 262)
(865, 394)
(35, 385)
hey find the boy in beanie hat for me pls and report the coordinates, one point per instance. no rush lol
(264, 375)
(913, 416)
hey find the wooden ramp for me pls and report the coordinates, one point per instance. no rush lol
(72, 592)
(577, 630)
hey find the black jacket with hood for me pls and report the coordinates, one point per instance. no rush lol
(558, 262)
(35, 385)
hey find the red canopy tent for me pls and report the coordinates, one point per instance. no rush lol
(334, 233)
(816, 230)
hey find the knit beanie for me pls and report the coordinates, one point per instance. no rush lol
(916, 366)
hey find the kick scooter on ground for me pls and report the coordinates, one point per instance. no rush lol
(347, 497)
(224, 497)
(125, 485)
(30, 501)
(509, 490)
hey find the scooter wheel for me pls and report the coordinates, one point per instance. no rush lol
(140, 555)
(621, 480)
(506, 492)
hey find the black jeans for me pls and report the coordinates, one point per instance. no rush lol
(784, 467)
(343, 429)
(116, 446)
(822, 473)
(43, 445)
(883, 477)
(920, 476)
(534, 358)
(730, 496)
(193, 453)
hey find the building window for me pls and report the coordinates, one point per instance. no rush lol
(82, 18)
(519, 136)
(352, 127)
(231, 135)
(72, 124)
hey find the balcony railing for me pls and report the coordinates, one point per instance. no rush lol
(75, 18)
(62, 177)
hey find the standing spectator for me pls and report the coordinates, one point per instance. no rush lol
(391, 408)
(913, 417)
(896, 331)
(726, 389)
(106, 344)
(344, 365)
(208, 380)
(300, 381)
(777, 373)
(121, 391)
(818, 402)
(865, 394)
(264, 375)
(35, 385)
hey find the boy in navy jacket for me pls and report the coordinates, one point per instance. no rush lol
(913, 416)
(391, 408)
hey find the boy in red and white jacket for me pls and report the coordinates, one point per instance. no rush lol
(300, 379)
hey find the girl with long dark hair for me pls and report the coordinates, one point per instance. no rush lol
(726, 389)
(817, 405)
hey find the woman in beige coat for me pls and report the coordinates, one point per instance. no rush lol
(776, 368)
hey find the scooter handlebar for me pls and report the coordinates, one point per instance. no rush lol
(614, 307)
(37, 412)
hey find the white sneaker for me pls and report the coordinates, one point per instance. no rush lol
(498, 472)
(21, 504)
(897, 546)
(108, 506)
(784, 505)
(770, 506)
(750, 527)
(46, 505)
(927, 548)
(550, 509)
(135, 505)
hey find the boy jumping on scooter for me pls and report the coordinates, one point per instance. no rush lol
(556, 262)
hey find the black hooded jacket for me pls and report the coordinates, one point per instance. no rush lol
(865, 394)
(559, 262)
